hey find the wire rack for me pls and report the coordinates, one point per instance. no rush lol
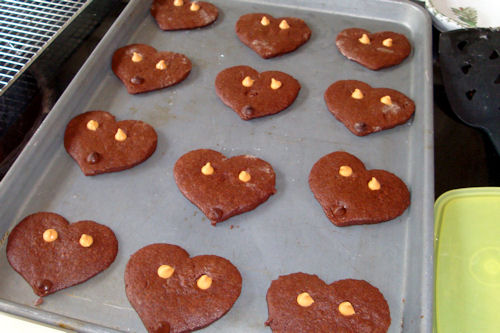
(26, 28)
(36, 37)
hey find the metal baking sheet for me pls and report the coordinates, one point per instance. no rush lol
(288, 233)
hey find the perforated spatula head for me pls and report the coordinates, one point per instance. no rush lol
(470, 66)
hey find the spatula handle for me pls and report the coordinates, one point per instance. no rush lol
(493, 131)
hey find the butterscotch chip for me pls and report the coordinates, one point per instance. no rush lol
(265, 21)
(178, 3)
(86, 240)
(165, 271)
(386, 100)
(364, 39)
(387, 42)
(244, 176)
(305, 300)
(204, 282)
(374, 184)
(345, 171)
(136, 57)
(357, 94)
(207, 169)
(247, 82)
(50, 235)
(284, 25)
(92, 125)
(346, 309)
(194, 7)
(161, 65)
(275, 84)
(120, 135)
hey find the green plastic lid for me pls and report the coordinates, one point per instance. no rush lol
(467, 261)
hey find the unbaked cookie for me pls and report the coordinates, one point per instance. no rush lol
(302, 302)
(183, 14)
(349, 194)
(223, 187)
(142, 68)
(252, 94)
(270, 37)
(174, 293)
(373, 50)
(51, 254)
(100, 144)
(364, 110)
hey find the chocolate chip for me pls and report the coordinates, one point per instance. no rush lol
(137, 80)
(93, 158)
(247, 110)
(44, 287)
(253, 93)
(339, 211)
(215, 214)
(164, 327)
(360, 127)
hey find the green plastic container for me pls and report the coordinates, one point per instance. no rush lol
(467, 261)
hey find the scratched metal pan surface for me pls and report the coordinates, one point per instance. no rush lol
(288, 233)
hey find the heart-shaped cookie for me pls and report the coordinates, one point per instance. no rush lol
(142, 68)
(99, 144)
(350, 194)
(364, 110)
(302, 302)
(174, 293)
(270, 37)
(222, 187)
(180, 14)
(373, 50)
(51, 254)
(252, 94)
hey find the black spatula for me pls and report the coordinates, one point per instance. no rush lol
(470, 66)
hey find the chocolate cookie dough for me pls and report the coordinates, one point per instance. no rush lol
(223, 187)
(142, 68)
(51, 254)
(302, 302)
(270, 37)
(373, 50)
(252, 94)
(183, 14)
(100, 144)
(350, 194)
(364, 110)
(174, 293)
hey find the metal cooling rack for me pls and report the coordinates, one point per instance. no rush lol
(27, 27)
